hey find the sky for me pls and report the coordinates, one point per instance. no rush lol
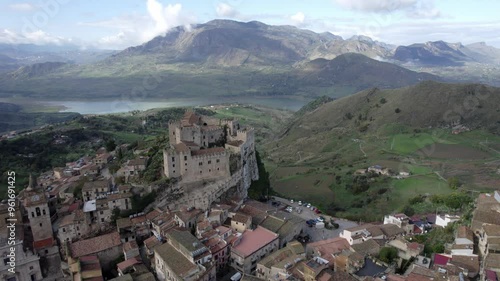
(113, 24)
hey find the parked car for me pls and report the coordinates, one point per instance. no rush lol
(291, 200)
(320, 219)
(300, 203)
(308, 205)
(317, 211)
(311, 223)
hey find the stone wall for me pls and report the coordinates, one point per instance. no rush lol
(202, 196)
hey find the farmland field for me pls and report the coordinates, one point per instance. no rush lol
(452, 151)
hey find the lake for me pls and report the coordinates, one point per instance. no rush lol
(119, 106)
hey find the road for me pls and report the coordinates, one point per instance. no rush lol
(316, 234)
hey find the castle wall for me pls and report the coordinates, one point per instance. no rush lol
(171, 164)
(207, 167)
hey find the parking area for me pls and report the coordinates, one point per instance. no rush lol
(316, 234)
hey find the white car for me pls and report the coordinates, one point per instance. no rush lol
(308, 206)
(320, 219)
(291, 200)
(300, 203)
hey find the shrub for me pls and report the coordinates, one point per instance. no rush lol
(397, 110)
(388, 254)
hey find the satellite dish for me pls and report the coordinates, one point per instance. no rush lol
(425, 261)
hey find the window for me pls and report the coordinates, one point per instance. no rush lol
(43, 211)
(32, 214)
(102, 219)
(77, 228)
(209, 170)
(31, 268)
(218, 169)
(37, 210)
(174, 171)
(209, 161)
(203, 137)
(201, 172)
(173, 165)
(101, 212)
(5, 261)
(185, 158)
(185, 164)
(173, 159)
(46, 251)
(200, 164)
(217, 161)
(40, 224)
(64, 229)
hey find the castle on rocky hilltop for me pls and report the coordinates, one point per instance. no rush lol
(201, 147)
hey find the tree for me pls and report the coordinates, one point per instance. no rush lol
(115, 215)
(388, 254)
(110, 145)
(383, 100)
(408, 210)
(397, 110)
(453, 183)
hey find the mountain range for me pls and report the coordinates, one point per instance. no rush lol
(230, 58)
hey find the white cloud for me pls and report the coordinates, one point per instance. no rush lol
(226, 11)
(130, 30)
(298, 18)
(376, 5)
(37, 37)
(22, 7)
(414, 8)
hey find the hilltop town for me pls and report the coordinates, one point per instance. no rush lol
(88, 221)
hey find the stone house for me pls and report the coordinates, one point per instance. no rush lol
(93, 189)
(241, 222)
(130, 250)
(73, 226)
(252, 246)
(107, 247)
(277, 264)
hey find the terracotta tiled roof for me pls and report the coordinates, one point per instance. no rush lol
(465, 232)
(123, 223)
(153, 214)
(471, 263)
(253, 240)
(138, 220)
(241, 218)
(179, 264)
(95, 245)
(152, 242)
(128, 263)
(130, 245)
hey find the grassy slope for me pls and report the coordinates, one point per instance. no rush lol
(328, 145)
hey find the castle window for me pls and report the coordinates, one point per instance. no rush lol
(32, 214)
(185, 164)
(204, 137)
(209, 170)
(37, 210)
(201, 172)
(173, 165)
(185, 158)
(209, 161)
(173, 159)
(174, 171)
(40, 224)
(211, 137)
(217, 161)
(217, 169)
(43, 211)
(64, 229)
(200, 164)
